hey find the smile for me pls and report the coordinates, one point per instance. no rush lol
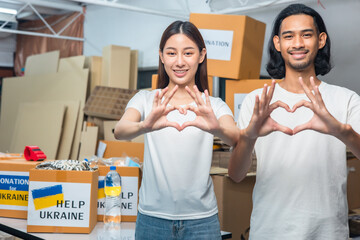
(180, 73)
(298, 54)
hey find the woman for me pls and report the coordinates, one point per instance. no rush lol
(179, 119)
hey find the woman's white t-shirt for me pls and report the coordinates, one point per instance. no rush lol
(176, 184)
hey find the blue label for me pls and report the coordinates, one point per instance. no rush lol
(11, 182)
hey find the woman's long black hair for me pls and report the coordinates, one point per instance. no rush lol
(191, 31)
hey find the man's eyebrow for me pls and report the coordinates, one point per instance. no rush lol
(304, 30)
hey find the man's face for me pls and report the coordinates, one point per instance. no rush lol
(299, 42)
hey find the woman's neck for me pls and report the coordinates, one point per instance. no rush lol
(181, 96)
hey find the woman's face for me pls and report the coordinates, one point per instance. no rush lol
(181, 58)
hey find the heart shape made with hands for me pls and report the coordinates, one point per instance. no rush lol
(292, 119)
(180, 117)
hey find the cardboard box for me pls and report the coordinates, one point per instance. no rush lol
(234, 203)
(235, 92)
(122, 148)
(130, 179)
(353, 183)
(62, 201)
(9, 156)
(109, 128)
(234, 44)
(14, 186)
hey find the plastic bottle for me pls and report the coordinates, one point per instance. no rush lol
(112, 215)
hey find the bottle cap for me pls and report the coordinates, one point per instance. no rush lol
(112, 168)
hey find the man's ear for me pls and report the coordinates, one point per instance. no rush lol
(322, 40)
(161, 56)
(276, 41)
(202, 55)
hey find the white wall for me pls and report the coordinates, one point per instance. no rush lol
(342, 20)
(104, 26)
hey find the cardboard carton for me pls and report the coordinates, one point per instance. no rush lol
(353, 189)
(234, 203)
(234, 44)
(62, 201)
(130, 179)
(122, 148)
(14, 186)
(235, 92)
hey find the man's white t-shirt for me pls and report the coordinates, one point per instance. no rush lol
(176, 184)
(300, 190)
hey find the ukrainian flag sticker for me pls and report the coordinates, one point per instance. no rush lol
(101, 192)
(47, 196)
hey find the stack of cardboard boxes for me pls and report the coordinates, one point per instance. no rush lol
(46, 107)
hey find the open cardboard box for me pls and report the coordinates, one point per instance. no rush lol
(130, 179)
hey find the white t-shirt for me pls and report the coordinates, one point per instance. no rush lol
(300, 190)
(176, 184)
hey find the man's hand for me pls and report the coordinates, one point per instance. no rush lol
(261, 124)
(322, 121)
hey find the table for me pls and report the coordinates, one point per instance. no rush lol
(17, 227)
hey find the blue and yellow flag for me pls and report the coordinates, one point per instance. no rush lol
(47, 196)
(101, 193)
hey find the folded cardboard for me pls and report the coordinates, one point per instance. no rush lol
(130, 179)
(64, 86)
(14, 186)
(116, 66)
(62, 201)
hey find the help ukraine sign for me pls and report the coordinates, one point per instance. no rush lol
(59, 204)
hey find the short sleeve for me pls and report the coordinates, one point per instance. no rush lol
(220, 108)
(138, 102)
(354, 112)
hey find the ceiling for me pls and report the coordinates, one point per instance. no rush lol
(173, 8)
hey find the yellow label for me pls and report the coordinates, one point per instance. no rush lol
(10, 197)
(112, 191)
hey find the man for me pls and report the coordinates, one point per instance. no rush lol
(300, 130)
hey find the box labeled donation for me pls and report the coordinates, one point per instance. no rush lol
(14, 186)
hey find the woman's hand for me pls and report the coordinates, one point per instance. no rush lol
(205, 117)
(157, 118)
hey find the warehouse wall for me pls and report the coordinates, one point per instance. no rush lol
(140, 31)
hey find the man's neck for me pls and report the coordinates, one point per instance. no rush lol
(291, 81)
